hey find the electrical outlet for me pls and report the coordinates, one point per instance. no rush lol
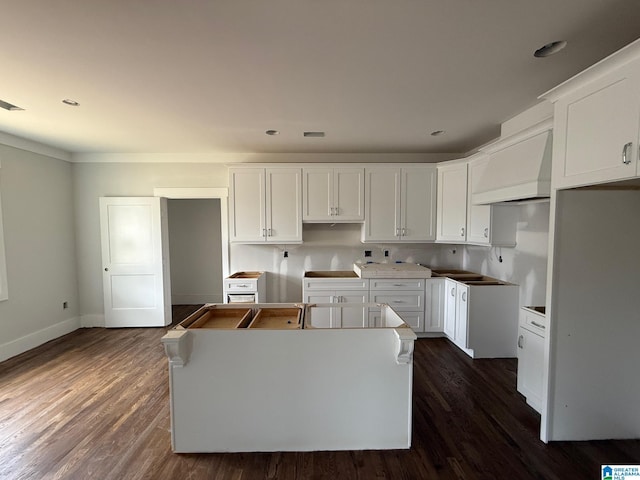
(386, 253)
(367, 253)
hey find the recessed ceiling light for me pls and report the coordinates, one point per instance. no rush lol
(272, 132)
(70, 102)
(9, 106)
(314, 134)
(549, 49)
(437, 133)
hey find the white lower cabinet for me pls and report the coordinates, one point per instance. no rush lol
(342, 291)
(405, 296)
(456, 313)
(408, 297)
(434, 305)
(531, 333)
(482, 319)
(449, 301)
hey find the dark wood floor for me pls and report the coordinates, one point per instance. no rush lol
(94, 404)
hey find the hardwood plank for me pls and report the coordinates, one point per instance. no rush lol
(94, 404)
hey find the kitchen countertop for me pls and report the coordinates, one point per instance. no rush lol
(405, 270)
(391, 270)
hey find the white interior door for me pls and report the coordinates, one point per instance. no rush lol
(135, 261)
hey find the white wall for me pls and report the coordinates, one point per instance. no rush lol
(95, 180)
(524, 265)
(594, 391)
(37, 204)
(195, 248)
(326, 247)
(103, 175)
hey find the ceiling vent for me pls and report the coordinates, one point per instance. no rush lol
(9, 106)
(314, 134)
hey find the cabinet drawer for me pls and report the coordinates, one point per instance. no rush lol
(397, 284)
(533, 320)
(406, 300)
(241, 285)
(336, 284)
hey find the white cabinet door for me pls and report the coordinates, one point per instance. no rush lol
(434, 305)
(418, 204)
(596, 131)
(450, 288)
(452, 203)
(400, 204)
(352, 317)
(318, 194)
(247, 205)
(530, 366)
(333, 194)
(462, 316)
(284, 205)
(348, 194)
(266, 205)
(382, 205)
(322, 317)
(135, 256)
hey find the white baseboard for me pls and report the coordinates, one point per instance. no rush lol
(195, 299)
(92, 320)
(35, 339)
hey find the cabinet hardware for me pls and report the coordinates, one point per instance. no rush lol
(486, 233)
(626, 158)
(462, 232)
(464, 296)
(404, 232)
(453, 292)
(520, 340)
(264, 232)
(269, 232)
(539, 325)
(397, 232)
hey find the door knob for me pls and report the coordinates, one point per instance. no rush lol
(106, 269)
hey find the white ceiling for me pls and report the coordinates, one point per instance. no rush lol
(210, 76)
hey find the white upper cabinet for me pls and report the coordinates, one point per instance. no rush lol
(597, 123)
(265, 205)
(418, 187)
(452, 203)
(400, 204)
(333, 194)
(488, 224)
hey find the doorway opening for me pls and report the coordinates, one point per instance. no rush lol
(198, 246)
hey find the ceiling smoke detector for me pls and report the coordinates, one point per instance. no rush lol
(549, 49)
(314, 134)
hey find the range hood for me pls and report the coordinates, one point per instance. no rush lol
(519, 167)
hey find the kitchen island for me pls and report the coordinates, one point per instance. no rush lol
(291, 385)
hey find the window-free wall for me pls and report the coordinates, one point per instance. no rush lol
(37, 207)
